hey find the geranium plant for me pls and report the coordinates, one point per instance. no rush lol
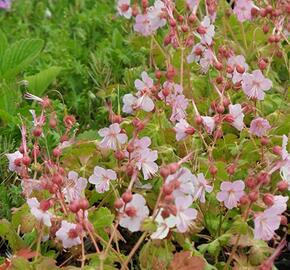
(192, 170)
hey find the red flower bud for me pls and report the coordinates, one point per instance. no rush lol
(44, 205)
(164, 172)
(74, 207)
(268, 199)
(131, 211)
(282, 186)
(213, 170)
(56, 152)
(118, 204)
(119, 155)
(26, 160)
(277, 150)
(251, 182)
(84, 204)
(173, 167)
(167, 189)
(253, 195)
(37, 131)
(201, 30)
(127, 197)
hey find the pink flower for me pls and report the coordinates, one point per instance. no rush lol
(124, 8)
(146, 83)
(5, 4)
(144, 91)
(147, 164)
(259, 126)
(134, 213)
(179, 105)
(243, 9)
(75, 186)
(112, 137)
(285, 154)
(143, 25)
(130, 103)
(163, 225)
(185, 215)
(237, 113)
(13, 164)
(231, 193)
(207, 60)
(192, 4)
(201, 186)
(185, 180)
(234, 61)
(209, 123)
(285, 173)
(265, 225)
(68, 234)
(196, 53)
(173, 90)
(101, 178)
(155, 14)
(207, 37)
(280, 205)
(254, 85)
(39, 212)
(183, 129)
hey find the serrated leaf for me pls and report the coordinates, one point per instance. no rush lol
(39, 82)
(18, 56)
(101, 218)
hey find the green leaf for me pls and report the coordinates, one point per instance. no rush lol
(3, 44)
(101, 219)
(18, 56)
(19, 263)
(8, 233)
(214, 247)
(39, 82)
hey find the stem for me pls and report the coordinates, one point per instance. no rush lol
(83, 253)
(133, 251)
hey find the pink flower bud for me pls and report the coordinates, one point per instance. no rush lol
(164, 172)
(26, 160)
(253, 195)
(282, 186)
(127, 197)
(268, 199)
(84, 204)
(37, 131)
(56, 152)
(173, 167)
(118, 204)
(131, 211)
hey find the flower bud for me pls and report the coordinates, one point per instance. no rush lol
(119, 155)
(282, 186)
(266, 28)
(74, 207)
(253, 195)
(265, 140)
(231, 169)
(268, 199)
(63, 138)
(284, 220)
(190, 130)
(37, 131)
(244, 200)
(127, 197)
(69, 121)
(57, 179)
(44, 205)
(240, 69)
(165, 213)
(277, 150)
(218, 65)
(52, 122)
(118, 203)
(56, 152)
(198, 120)
(17, 161)
(213, 170)
(250, 182)
(173, 167)
(84, 204)
(164, 172)
(201, 30)
(26, 160)
(220, 109)
(169, 198)
(192, 18)
(167, 189)
(158, 74)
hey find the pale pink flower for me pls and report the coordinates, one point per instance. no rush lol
(174, 90)
(5, 4)
(206, 60)
(183, 129)
(259, 126)
(280, 205)
(68, 234)
(285, 173)
(231, 193)
(134, 213)
(201, 187)
(285, 154)
(102, 178)
(145, 103)
(38, 213)
(112, 137)
(147, 164)
(146, 83)
(74, 187)
(37, 121)
(29, 185)
(234, 61)
(143, 25)
(155, 14)
(208, 123)
(236, 112)
(209, 31)
(129, 103)
(163, 225)
(192, 4)
(243, 9)
(11, 158)
(254, 85)
(144, 91)
(179, 105)
(265, 224)
(193, 56)
(185, 181)
(139, 145)
(124, 8)
(185, 215)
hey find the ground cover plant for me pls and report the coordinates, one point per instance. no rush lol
(174, 156)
